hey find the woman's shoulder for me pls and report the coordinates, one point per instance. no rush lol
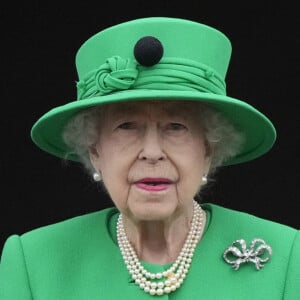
(47, 256)
(90, 219)
(78, 229)
(239, 215)
(228, 225)
(242, 218)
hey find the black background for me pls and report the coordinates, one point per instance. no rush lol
(38, 45)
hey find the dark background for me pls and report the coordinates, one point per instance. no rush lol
(38, 45)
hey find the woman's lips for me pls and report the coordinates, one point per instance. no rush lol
(153, 184)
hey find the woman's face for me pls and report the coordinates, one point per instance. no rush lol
(152, 156)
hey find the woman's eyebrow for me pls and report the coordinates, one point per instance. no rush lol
(123, 110)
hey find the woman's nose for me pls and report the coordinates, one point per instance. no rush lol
(152, 146)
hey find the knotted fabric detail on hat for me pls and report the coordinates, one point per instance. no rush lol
(170, 73)
(180, 74)
(115, 74)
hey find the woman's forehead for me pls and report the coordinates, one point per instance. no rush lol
(168, 107)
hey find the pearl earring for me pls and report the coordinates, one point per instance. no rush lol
(97, 176)
(204, 179)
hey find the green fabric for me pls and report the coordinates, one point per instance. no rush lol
(193, 68)
(118, 73)
(79, 259)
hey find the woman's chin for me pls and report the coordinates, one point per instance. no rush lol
(153, 211)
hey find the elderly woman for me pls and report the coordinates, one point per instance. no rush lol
(151, 124)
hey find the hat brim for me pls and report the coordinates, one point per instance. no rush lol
(259, 131)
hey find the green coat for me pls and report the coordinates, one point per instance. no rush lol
(79, 259)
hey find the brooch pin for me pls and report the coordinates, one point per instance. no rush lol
(258, 253)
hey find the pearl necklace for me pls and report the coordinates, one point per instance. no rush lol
(167, 281)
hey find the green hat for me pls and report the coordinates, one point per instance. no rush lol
(156, 58)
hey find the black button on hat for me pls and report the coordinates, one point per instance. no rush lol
(148, 51)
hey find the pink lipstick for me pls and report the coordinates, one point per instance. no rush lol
(153, 184)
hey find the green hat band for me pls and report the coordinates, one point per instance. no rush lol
(170, 73)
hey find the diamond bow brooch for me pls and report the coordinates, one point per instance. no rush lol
(238, 253)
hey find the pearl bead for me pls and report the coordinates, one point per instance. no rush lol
(159, 291)
(153, 285)
(167, 282)
(142, 285)
(152, 292)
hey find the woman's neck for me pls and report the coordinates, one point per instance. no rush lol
(156, 241)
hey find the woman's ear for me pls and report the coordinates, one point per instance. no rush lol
(207, 164)
(208, 157)
(95, 161)
(94, 157)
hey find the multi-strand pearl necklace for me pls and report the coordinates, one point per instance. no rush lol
(167, 281)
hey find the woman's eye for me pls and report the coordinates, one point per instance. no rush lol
(176, 126)
(127, 125)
